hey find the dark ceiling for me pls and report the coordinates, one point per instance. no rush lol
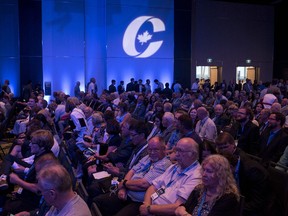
(260, 2)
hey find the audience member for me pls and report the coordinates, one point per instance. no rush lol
(131, 190)
(247, 133)
(251, 177)
(55, 185)
(173, 187)
(217, 195)
(205, 127)
(274, 141)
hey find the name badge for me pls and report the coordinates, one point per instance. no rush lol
(158, 193)
(20, 189)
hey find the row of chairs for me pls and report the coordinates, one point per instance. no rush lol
(78, 185)
(278, 184)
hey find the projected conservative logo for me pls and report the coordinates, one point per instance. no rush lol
(140, 38)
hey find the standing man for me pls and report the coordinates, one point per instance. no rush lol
(195, 85)
(120, 87)
(112, 87)
(131, 85)
(6, 87)
(92, 87)
(148, 89)
(77, 90)
(139, 87)
(159, 86)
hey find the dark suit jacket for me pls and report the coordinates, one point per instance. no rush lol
(137, 88)
(221, 122)
(253, 182)
(112, 88)
(248, 138)
(130, 87)
(120, 89)
(275, 149)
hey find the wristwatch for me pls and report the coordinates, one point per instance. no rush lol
(124, 183)
(148, 209)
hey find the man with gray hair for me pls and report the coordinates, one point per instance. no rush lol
(205, 127)
(168, 122)
(55, 185)
(132, 189)
(173, 187)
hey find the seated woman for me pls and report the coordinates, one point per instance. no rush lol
(113, 142)
(218, 193)
(157, 126)
(121, 112)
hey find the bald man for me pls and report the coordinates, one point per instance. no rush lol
(173, 187)
(205, 127)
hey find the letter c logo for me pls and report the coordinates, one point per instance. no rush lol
(130, 36)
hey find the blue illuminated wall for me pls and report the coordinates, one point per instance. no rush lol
(95, 40)
(84, 39)
(128, 55)
(9, 47)
(63, 40)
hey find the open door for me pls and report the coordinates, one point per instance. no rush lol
(214, 73)
(251, 72)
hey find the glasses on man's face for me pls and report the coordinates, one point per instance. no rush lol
(180, 151)
(222, 146)
(241, 113)
(153, 150)
(41, 193)
(133, 135)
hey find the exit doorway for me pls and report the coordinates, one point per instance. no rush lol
(251, 72)
(214, 73)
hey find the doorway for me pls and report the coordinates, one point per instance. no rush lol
(214, 73)
(251, 72)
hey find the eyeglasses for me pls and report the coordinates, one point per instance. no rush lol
(222, 146)
(181, 150)
(133, 135)
(41, 193)
(241, 113)
(151, 150)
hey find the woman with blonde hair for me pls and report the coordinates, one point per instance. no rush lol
(218, 193)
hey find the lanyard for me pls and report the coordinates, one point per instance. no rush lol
(180, 174)
(201, 204)
(236, 173)
(146, 168)
(30, 169)
(135, 156)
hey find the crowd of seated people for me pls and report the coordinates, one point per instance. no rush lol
(190, 153)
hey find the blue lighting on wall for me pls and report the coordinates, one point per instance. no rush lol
(140, 40)
(84, 39)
